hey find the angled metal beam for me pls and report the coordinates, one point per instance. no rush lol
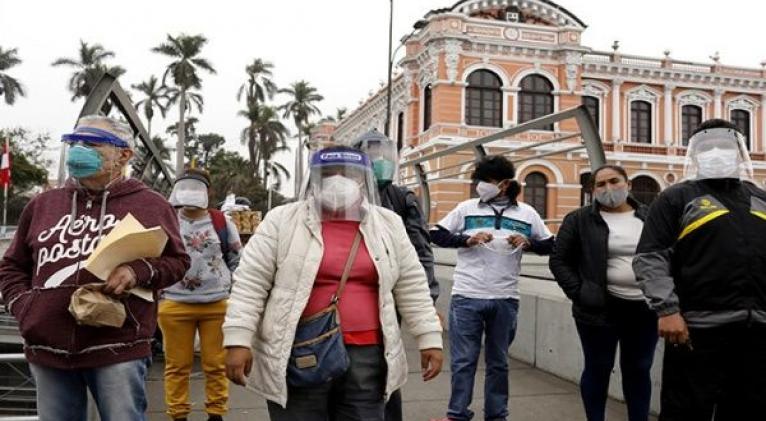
(502, 134)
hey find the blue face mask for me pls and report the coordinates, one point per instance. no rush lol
(383, 170)
(83, 161)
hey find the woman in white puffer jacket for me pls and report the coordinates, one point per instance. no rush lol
(292, 266)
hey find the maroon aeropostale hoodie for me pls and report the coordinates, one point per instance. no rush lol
(57, 232)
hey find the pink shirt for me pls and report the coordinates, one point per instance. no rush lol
(359, 312)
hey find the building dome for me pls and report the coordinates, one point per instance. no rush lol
(534, 11)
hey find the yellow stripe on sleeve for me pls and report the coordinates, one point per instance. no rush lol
(702, 221)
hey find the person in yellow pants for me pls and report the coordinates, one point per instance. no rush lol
(197, 304)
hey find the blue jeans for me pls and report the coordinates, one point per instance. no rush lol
(117, 389)
(469, 318)
(634, 326)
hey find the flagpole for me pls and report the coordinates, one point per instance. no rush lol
(5, 207)
(6, 156)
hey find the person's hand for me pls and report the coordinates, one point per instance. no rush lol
(479, 238)
(431, 363)
(121, 280)
(673, 328)
(519, 241)
(239, 362)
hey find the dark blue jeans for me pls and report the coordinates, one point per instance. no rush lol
(469, 319)
(634, 326)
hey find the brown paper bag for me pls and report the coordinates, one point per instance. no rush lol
(91, 307)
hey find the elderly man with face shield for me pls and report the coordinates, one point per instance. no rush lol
(385, 160)
(43, 267)
(701, 265)
(312, 319)
(197, 304)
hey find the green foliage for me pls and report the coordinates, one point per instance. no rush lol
(9, 87)
(28, 167)
(229, 173)
(89, 66)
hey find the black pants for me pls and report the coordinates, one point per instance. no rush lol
(722, 377)
(634, 326)
(357, 396)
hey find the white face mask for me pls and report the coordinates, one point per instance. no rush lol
(339, 192)
(718, 163)
(191, 198)
(501, 246)
(487, 191)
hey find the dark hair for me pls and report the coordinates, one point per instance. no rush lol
(497, 168)
(197, 174)
(715, 123)
(616, 168)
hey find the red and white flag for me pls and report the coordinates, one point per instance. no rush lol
(5, 165)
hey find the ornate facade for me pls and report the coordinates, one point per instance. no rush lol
(485, 64)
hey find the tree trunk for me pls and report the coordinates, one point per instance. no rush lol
(251, 150)
(299, 164)
(149, 128)
(266, 158)
(181, 134)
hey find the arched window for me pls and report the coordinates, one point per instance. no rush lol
(426, 107)
(691, 118)
(640, 122)
(741, 119)
(400, 131)
(592, 104)
(484, 99)
(535, 99)
(536, 192)
(586, 189)
(645, 189)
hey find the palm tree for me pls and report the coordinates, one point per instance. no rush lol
(189, 128)
(259, 85)
(142, 154)
(9, 87)
(249, 134)
(300, 107)
(340, 114)
(272, 138)
(265, 135)
(184, 50)
(192, 99)
(156, 96)
(89, 68)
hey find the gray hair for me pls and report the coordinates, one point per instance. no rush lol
(118, 128)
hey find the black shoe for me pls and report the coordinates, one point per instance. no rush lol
(214, 418)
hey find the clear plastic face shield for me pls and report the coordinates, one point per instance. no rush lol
(341, 184)
(189, 192)
(93, 152)
(383, 156)
(717, 153)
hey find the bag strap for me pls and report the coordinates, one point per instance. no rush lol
(222, 229)
(347, 269)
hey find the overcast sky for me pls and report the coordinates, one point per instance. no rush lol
(339, 46)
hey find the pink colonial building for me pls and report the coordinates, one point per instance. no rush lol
(481, 65)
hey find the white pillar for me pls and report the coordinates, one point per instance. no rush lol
(717, 103)
(762, 140)
(616, 116)
(668, 120)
